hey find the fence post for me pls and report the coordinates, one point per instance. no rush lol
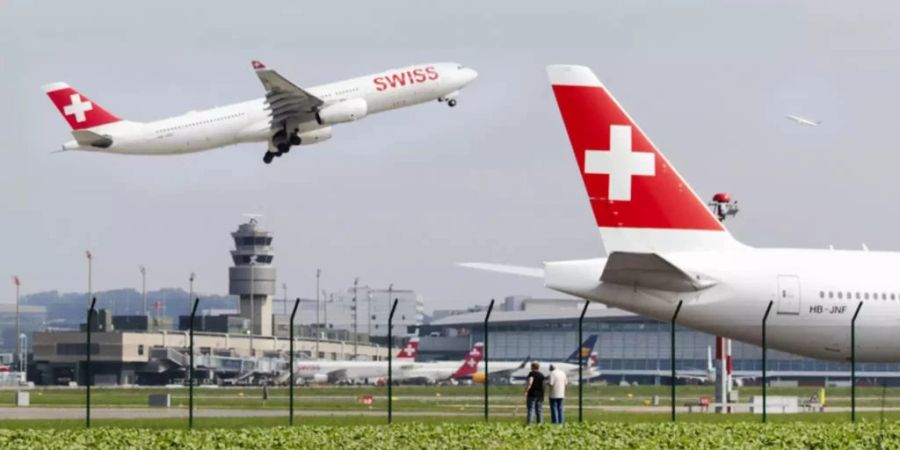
(581, 361)
(674, 317)
(853, 364)
(487, 373)
(390, 383)
(765, 382)
(191, 368)
(87, 368)
(291, 362)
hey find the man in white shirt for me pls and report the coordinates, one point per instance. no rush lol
(557, 394)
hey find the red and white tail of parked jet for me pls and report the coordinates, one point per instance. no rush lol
(665, 248)
(287, 116)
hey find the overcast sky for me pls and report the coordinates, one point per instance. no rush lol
(402, 196)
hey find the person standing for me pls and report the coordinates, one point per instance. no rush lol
(534, 394)
(558, 382)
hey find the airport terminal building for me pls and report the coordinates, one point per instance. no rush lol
(631, 348)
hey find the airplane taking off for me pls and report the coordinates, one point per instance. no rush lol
(287, 116)
(803, 121)
(666, 249)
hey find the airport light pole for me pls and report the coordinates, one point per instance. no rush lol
(90, 262)
(144, 286)
(369, 315)
(252, 305)
(318, 308)
(18, 284)
(355, 321)
(23, 356)
(390, 300)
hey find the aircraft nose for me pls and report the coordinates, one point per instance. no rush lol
(468, 75)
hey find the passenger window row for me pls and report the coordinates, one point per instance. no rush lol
(841, 295)
(218, 119)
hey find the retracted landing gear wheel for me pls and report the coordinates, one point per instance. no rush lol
(451, 102)
(267, 158)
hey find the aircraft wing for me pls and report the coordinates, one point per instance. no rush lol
(534, 272)
(289, 104)
(650, 270)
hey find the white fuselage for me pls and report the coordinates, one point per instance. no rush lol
(249, 121)
(815, 294)
(328, 370)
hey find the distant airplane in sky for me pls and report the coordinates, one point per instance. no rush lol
(804, 121)
(286, 117)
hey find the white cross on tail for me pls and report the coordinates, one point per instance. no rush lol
(77, 108)
(620, 162)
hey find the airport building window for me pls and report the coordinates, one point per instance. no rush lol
(840, 295)
(140, 350)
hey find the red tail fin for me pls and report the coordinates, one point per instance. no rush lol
(78, 110)
(409, 351)
(640, 202)
(469, 366)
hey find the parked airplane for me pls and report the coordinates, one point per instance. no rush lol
(804, 121)
(569, 366)
(287, 116)
(333, 371)
(442, 371)
(667, 249)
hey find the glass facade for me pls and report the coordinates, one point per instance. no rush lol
(639, 344)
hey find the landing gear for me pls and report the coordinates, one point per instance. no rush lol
(295, 140)
(267, 158)
(451, 103)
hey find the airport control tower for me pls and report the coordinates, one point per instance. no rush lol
(253, 276)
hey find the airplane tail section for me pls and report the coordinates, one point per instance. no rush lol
(640, 202)
(586, 349)
(409, 351)
(79, 111)
(469, 366)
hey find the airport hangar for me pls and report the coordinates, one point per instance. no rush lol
(631, 348)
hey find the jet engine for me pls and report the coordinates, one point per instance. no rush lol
(345, 111)
(314, 136)
(320, 378)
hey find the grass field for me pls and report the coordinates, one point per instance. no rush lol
(439, 417)
(423, 397)
(615, 435)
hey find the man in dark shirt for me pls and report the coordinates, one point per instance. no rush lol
(534, 393)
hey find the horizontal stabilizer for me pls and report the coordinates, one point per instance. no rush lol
(87, 138)
(649, 270)
(534, 272)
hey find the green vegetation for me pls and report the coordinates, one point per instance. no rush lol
(473, 435)
(419, 398)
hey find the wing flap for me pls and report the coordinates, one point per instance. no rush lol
(287, 102)
(650, 270)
